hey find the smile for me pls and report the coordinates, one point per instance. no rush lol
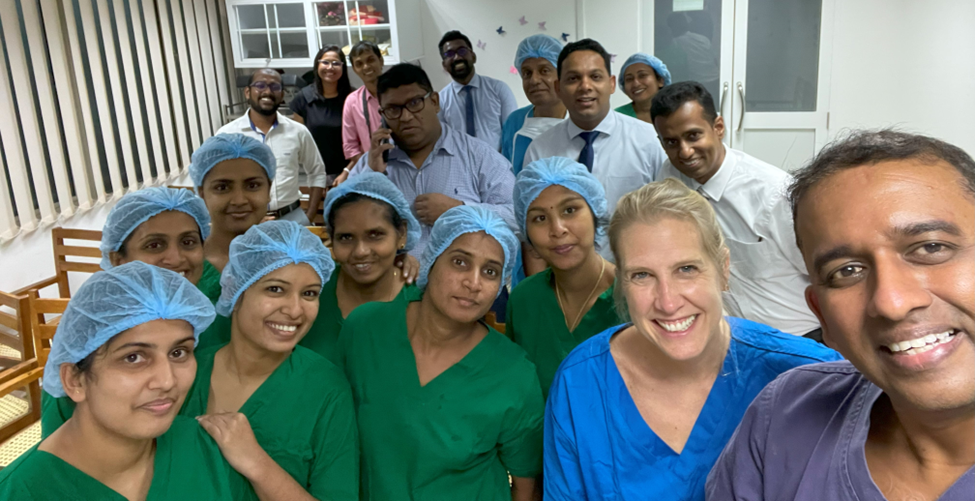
(677, 326)
(286, 328)
(922, 344)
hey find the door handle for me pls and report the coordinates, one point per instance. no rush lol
(724, 94)
(741, 119)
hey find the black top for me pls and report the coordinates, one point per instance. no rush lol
(323, 117)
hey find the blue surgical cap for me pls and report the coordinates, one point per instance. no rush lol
(265, 248)
(228, 147)
(538, 46)
(136, 208)
(543, 173)
(115, 300)
(377, 186)
(462, 220)
(651, 61)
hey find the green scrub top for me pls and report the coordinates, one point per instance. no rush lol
(302, 416)
(187, 466)
(323, 337)
(209, 282)
(627, 110)
(535, 321)
(457, 437)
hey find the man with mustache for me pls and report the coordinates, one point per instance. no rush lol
(293, 146)
(886, 224)
(472, 103)
(614, 147)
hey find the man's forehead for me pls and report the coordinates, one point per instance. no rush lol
(584, 60)
(455, 44)
(403, 94)
(266, 75)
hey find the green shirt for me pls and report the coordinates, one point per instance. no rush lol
(627, 110)
(302, 416)
(457, 437)
(209, 282)
(187, 466)
(323, 337)
(535, 321)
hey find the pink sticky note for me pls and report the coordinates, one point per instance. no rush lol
(514, 70)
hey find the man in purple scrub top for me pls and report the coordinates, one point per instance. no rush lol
(886, 224)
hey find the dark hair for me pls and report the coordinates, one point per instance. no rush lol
(403, 74)
(867, 147)
(453, 35)
(364, 46)
(344, 86)
(671, 97)
(586, 44)
(268, 71)
(392, 216)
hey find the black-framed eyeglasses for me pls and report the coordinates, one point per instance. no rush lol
(415, 105)
(263, 86)
(328, 63)
(462, 52)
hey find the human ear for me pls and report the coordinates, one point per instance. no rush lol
(73, 381)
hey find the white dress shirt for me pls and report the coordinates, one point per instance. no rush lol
(295, 151)
(627, 155)
(493, 102)
(768, 275)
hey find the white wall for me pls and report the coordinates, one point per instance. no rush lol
(905, 63)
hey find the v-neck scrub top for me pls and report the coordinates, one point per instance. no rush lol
(187, 466)
(209, 283)
(302, 416)
(323, 337)
(598, 447)
(457, 437)
(536, 323)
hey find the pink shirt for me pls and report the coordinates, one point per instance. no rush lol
(355, 131)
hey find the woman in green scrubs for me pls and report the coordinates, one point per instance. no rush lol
(165, 227)
(123, 352)
(447, 407)
(371, 225)
(561, 208)
(270, 405)
(641, 76)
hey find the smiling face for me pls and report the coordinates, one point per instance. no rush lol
(458, 59)
(368, 66)
(170, 240)
(889, 248)
(691, 141)
(412, 131)
(672, 288)
(137, 381)
(277, 311)
(266, 101)
(465, 279)
(640, 83)
(236, 193)
(364, 240)
(585, 87)
(332, 71)
(561, 227)
(538, 78)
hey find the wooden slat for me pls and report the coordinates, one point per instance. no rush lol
(76, 233)
(12, 374)
(89, 268)
(77, 251)
(41, 284)
(49, 305)
(9, 321)
(22, 380)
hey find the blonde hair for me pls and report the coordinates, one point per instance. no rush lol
(666, 199)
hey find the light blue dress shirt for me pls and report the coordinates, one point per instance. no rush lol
(460, 167)
(493, 102)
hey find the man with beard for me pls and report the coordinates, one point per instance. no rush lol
(886, 224)
(293, 146)
(472, 103)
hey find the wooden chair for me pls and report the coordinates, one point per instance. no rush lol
(63, 258)
(43, 327)
(491, 319)
(20, 390)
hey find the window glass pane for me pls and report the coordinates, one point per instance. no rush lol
(782, 68)
(291, 15)
(254, 46)
(294, 45)
(250, 17)
(687, 38)
(331, 13)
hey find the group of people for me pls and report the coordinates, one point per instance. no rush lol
(220, 355)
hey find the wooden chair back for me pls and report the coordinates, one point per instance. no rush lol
(491, 319)
(42, 326)
(20, 388)
(84, 245)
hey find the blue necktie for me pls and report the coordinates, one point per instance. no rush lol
(587, 155)
(469, 110)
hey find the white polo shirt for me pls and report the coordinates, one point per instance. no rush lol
(295, 151)
(768, 275)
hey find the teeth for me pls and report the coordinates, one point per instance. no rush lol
(921, 344)
(283, 327)
(676, 327)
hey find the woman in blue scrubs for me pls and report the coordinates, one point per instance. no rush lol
(642, 410)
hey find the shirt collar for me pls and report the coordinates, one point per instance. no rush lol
(606, 127)
(248, 124)
(475, 82)
(715, 187)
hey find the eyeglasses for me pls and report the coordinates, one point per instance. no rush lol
(331, 64)
(393, 112)
(462, 52)
(263, 86)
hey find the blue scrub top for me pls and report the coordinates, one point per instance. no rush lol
(598, 447)
(513, 150)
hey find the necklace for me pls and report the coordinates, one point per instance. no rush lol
(582, 309)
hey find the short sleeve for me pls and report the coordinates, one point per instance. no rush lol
(521, 434)
(299, 104)
(739, 472)
(335, 469)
